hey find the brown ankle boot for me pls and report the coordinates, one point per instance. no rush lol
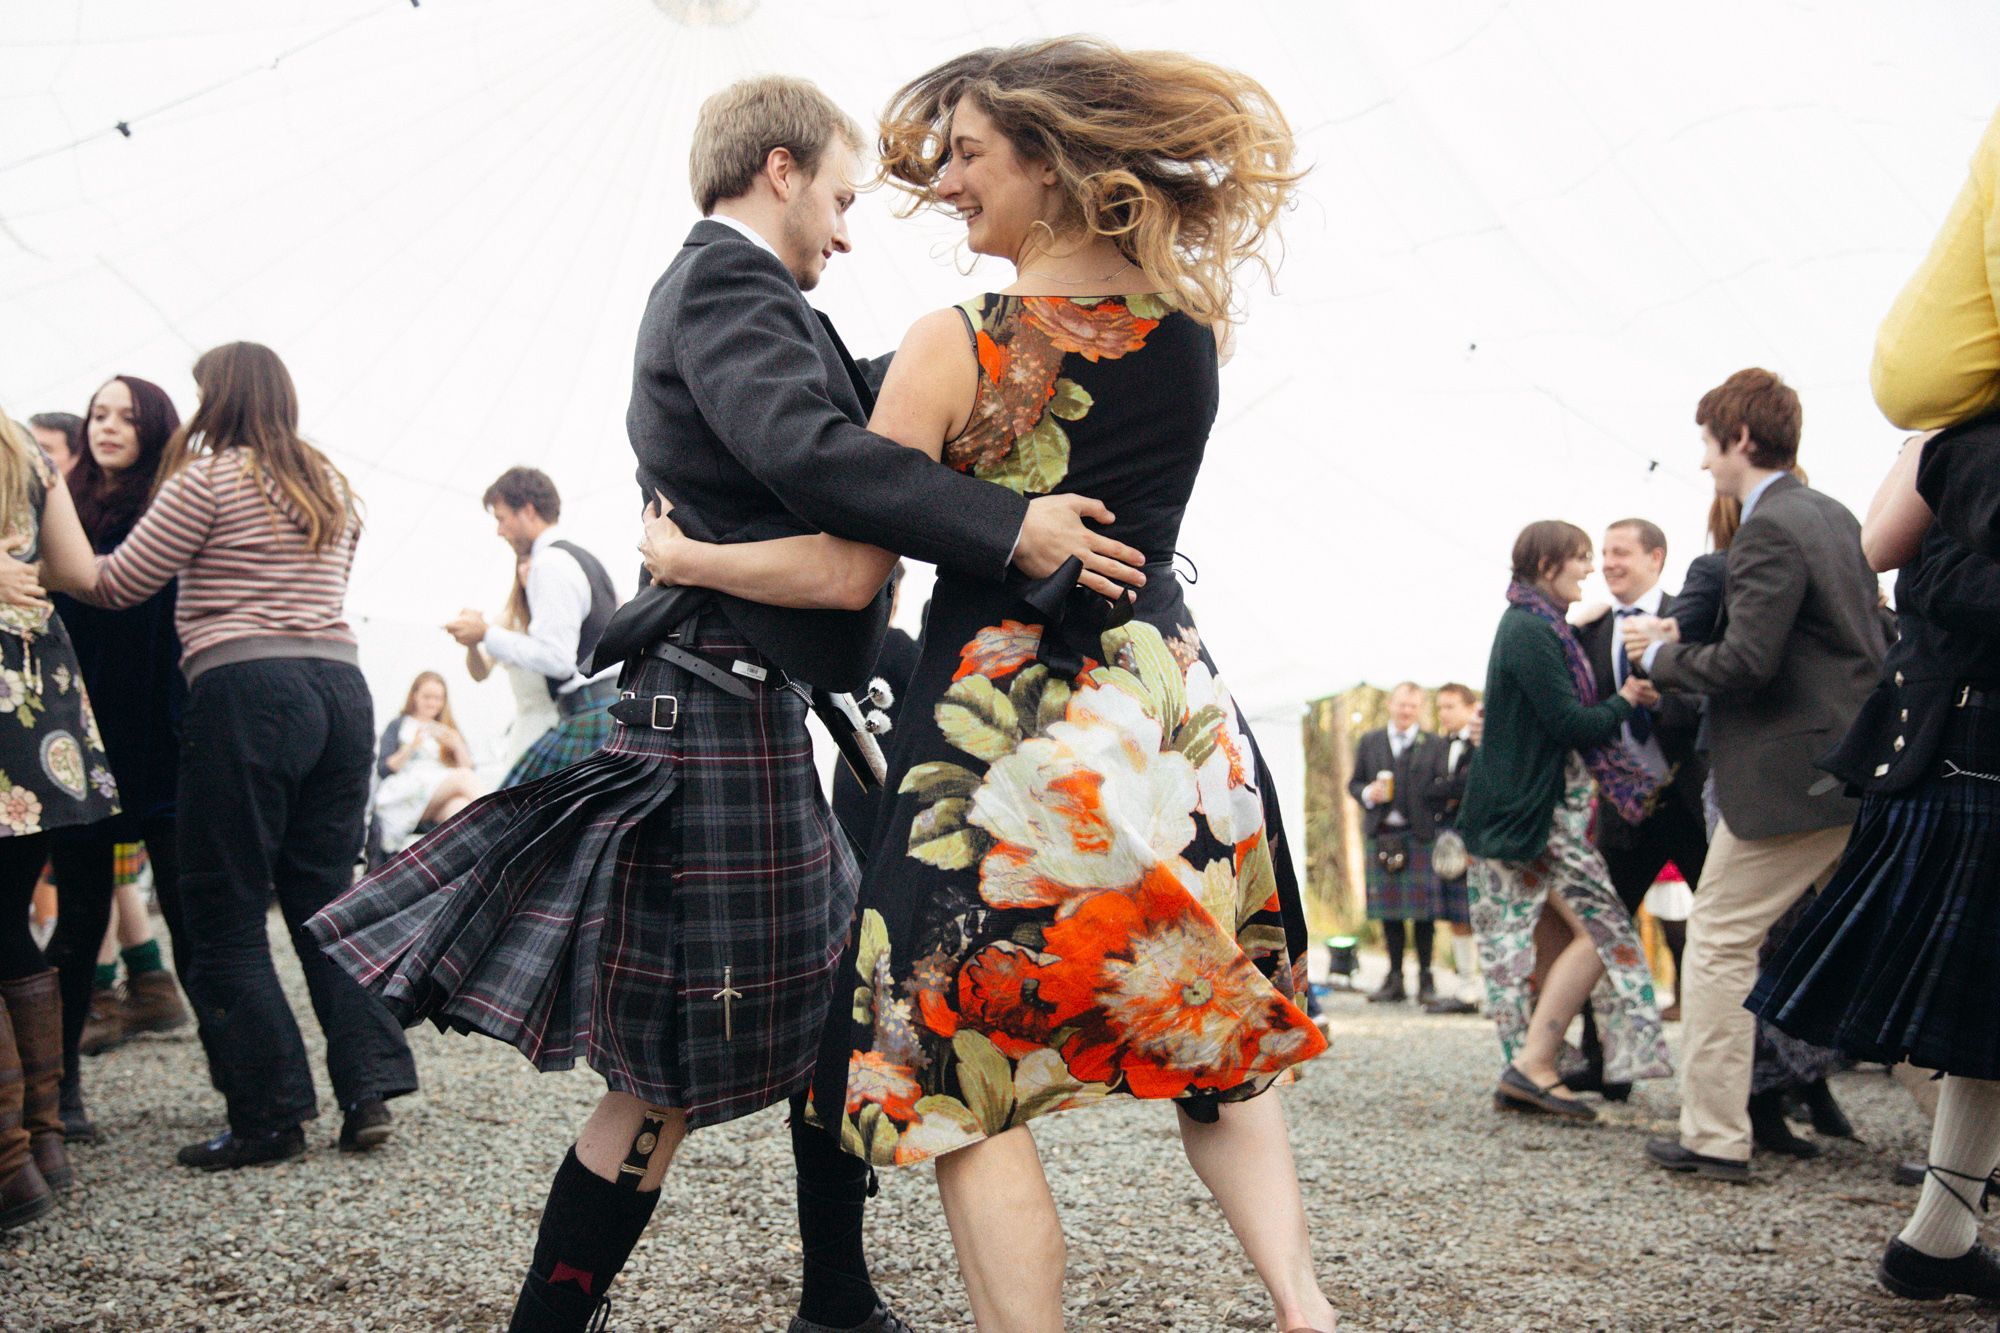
(104, 1024)
(153, 1003)
(24, 1195)
(35, 1005)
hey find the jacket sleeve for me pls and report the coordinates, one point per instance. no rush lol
(744, 345)
(1768, 577)
(1542, 674)
(392, 741)
(1446, 789)
(1959, 478)
(1953, 587)
(1698, 605)
(1364, 771)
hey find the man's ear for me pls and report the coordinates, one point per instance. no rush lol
(781, 169)
(1741, 444)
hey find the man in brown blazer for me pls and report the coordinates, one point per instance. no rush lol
(1801, 648)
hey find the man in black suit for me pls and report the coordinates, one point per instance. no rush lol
(1398, 826)
(1800, 650)
(748, 414)
(1446, 768)
(1634, 555)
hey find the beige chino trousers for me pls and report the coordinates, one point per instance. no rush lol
(1746, 885)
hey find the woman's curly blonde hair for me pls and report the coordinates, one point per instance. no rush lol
(1184, 164)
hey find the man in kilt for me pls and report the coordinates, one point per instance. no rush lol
(570, 601)
(1389, 765)
(673, 907)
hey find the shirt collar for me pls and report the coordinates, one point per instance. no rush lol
(744, 230)
(1649, 601)
(544, 541)
(1750, 500)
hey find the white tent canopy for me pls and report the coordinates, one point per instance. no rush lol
(1534, 232)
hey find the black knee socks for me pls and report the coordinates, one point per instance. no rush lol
(589, 1227)
(1392, 939)
(1426, 933)
(833, 1189)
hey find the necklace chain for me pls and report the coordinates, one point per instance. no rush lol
(1072, 282)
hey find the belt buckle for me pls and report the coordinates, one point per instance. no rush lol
(673, 721)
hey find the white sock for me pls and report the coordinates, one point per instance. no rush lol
(1465, 961)
(1965, 1140)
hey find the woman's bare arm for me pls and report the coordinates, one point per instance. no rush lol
(924, 401)
(1898, 518)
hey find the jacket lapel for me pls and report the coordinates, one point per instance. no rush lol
(854, 376)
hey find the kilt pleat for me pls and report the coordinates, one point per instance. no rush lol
(669, 909)
(1899, 958)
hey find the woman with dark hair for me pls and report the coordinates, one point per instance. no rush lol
(259, 528)
(423, 765)
(131, 665)
(1525, 820)
(53, 775)
(1078, 886)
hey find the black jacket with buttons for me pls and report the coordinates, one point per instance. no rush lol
(1948, 610)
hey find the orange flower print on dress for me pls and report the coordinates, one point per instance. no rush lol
(999, 649)
(872, 1077)
(999, 993)
(1106, 329)
(1161, 996)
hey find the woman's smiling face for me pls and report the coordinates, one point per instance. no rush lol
(999, 194)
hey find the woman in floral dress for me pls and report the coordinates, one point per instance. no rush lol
(53, 774)
(1081, 890)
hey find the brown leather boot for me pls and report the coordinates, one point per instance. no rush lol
(34, 1004)
(24, 1195)
(153, 1003)
(104, 1025)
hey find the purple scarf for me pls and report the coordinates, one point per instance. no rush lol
(1621, 778)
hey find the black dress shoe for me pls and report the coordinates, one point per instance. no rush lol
(1591, 1079)
(227, 1151)
(1390, 991)
(1769, 1130)
(1669, 1153)
(881, 1320)
(1517, 1092)
(366, 1125)
(1450, 1005)
(1916, 1276)
(1827, 1117)
(1908, 1173)
(1427, 991)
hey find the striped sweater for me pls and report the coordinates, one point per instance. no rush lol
(249, 585)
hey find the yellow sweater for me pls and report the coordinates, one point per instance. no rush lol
(1937, 357)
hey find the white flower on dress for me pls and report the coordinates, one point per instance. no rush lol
(1092, 805)
(1227, 778)
(21, 810)
(107, 786)
(13, 690)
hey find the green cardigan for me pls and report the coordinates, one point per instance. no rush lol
(1533, 721)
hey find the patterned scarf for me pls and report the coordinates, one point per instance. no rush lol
(1621, 778)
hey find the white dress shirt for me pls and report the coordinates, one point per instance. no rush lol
(1647, 604)
(558, 601)
(744, 229)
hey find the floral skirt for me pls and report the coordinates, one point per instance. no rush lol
(1081, 890)
(1507, 901)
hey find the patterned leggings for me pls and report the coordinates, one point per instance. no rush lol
(1507, 900)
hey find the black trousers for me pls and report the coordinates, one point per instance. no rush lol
(84, 861)
(273, 793)
(1674, 833)
(21, 860)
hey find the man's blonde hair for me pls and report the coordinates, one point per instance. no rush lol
(739, 126)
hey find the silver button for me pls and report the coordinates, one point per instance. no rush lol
(1899, 678)
(1899, 745)
(1881, 770)
(1906, 715)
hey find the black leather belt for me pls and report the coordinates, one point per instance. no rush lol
(662, 712)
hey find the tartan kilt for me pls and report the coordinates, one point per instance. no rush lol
(570, 741)
(1454, 902)
(605, 909)
(1411, 894)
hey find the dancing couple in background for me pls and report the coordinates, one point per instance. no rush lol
(1076, 887)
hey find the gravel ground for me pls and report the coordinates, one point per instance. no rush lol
(1430, 1211)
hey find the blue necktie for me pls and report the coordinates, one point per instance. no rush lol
(1642, 719)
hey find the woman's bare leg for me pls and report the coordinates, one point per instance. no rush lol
(1570, 978)
(1245, 1159)
(453, 794)
(1004, 1226)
